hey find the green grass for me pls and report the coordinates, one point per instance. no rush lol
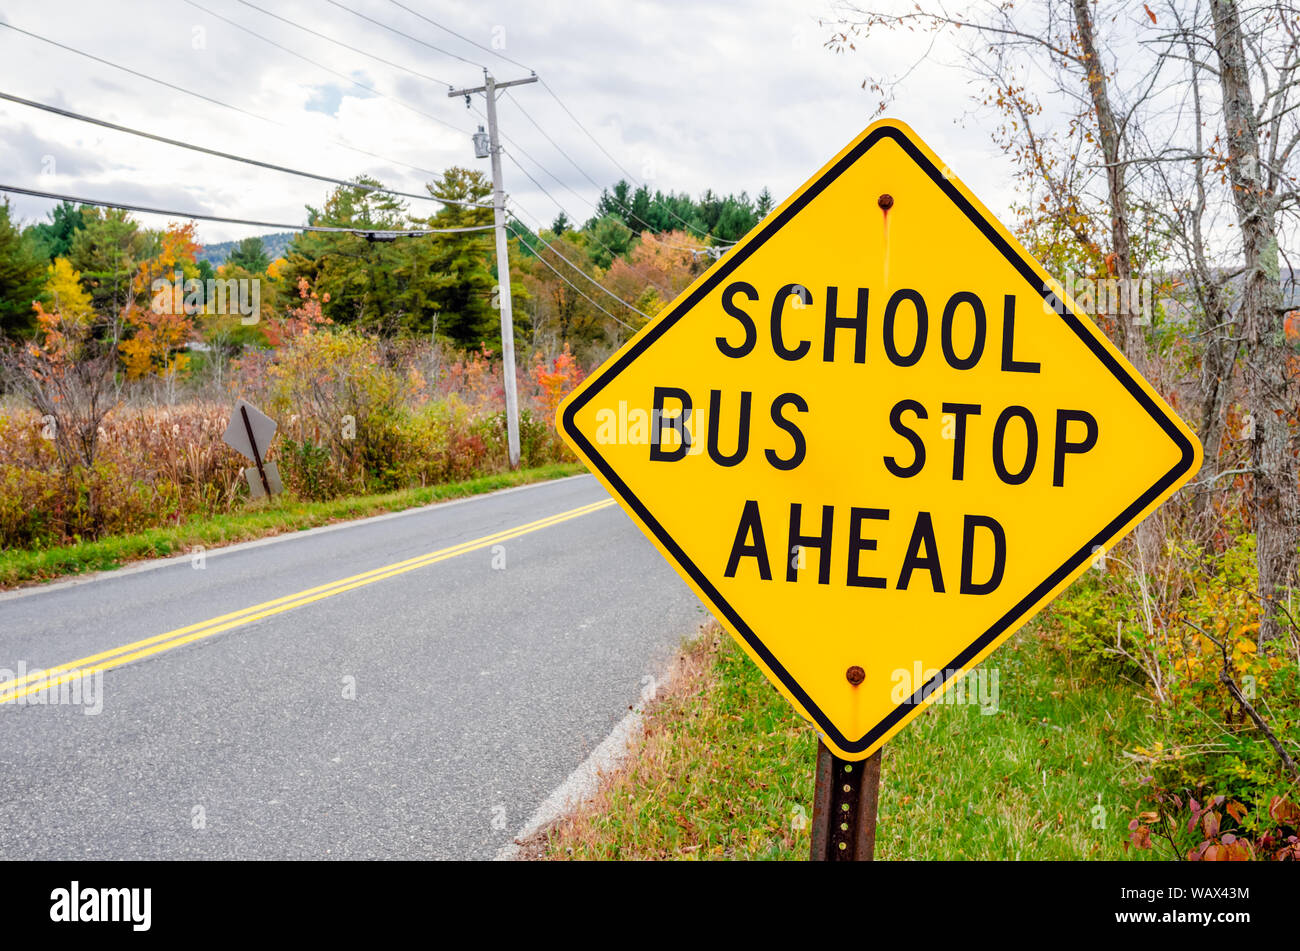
(18, 567)
(726, 764)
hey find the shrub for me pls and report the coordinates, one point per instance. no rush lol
(1196, 650)
(356, 413)
(28, 505)
(536, 443)
(306, 471)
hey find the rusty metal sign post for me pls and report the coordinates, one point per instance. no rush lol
(846, 800)
(844, 807)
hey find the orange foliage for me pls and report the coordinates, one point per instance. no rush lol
(303, 319)
(161, 329)
(555, 382)
(656, 271)
(476, 378)
(179, 247)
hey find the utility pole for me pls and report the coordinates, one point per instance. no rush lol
(489, 90)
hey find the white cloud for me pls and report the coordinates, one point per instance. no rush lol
(690, 94)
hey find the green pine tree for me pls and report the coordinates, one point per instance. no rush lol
(22, 276)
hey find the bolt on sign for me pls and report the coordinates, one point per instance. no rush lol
(876, 437)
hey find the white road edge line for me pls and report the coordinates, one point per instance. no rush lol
(583, 783)
(580, 785)
(151, 564)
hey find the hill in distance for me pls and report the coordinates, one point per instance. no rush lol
(277, 245)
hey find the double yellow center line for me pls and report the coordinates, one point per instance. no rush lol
(11, 690)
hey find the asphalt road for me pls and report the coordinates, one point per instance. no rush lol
(421, 714)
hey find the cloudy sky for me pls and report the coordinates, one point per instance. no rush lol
(685, 94)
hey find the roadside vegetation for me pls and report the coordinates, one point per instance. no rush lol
(1075, 759)
(379, 361)
(259, 520)
(726, 771)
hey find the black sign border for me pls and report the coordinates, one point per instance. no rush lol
(725, 268)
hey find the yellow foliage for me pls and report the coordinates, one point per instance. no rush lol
(65, 295)
(159, 332)
(155, 345)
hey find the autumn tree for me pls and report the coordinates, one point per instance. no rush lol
(655, 271)
(157, 317)
(66, 375)
(563, 307)
(64, 294)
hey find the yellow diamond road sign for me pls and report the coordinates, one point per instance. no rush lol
(875, 440)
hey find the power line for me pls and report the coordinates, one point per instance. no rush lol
(127, 69)
(626, 208)
(520, 106)
(319, 65)
(578, 123)
(578, 289)
(522, 151)
(584, 129)
(461, 36)
(330, 39)
(414, 39)
(554, 96)
(648, 234)
(199, 95)
(612, 253)
(555, 202)
(555, 177)
(228, 155)
(370, 234)
(586, 275)
(616, 162)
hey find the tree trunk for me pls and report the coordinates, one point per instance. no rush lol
(1128, 333)
(1217, 357)
(1275, 502)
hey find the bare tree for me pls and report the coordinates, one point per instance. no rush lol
(1260, 138)
(69, 381)
(1060, 40)
(1186, 202)
(1110, 139)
